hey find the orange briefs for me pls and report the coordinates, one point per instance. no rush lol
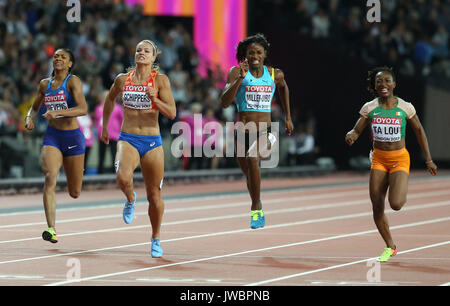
(391, 161)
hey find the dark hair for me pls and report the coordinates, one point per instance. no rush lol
(241, 49)
(373, 73)
(71, 57)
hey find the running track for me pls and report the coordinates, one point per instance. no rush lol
(319, 232)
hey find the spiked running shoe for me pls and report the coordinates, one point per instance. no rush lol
(128, 210)
(50, 235)
(257, 219)
(157, 251)
(388, 253)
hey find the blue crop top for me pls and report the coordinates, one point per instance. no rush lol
(60, 98)
(256, 94)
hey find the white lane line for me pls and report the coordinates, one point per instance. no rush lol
(90, 205)
(205, 219)
(446, 284)
(262, 250)
(218, 234)
(22, 277)
(181, 280)
(355, 191)
(245, 215)
(207, 206)
(201, 207)
(229, 205)
(346, 264)
(190, 237)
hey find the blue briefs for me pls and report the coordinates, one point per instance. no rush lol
(142, 143)
(69, 142)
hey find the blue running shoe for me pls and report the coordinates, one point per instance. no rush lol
(128, 210)
(258, 219)
(157, 251)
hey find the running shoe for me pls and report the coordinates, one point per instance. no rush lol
(157, 251)
(128, 210)
(388, 253)
(257, 219)
(50, 235)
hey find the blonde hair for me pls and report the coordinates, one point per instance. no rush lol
(156, 52)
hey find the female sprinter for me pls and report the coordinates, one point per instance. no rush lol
(64, 143)
(145, 93)
(388, 115)
(253, 84)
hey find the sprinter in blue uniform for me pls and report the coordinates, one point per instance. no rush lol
(64, 143)
(253, 85)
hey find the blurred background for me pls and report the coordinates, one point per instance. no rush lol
(325, 48)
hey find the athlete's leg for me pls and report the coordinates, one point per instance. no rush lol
(398, 189)
(152, 165)
(378, 185)
(240, 151)
(254, 182)
(51, 162)
(260, 149)
(243, 165)
(126, 161)
(250, 168)
(74, 168)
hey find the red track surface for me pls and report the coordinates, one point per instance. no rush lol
(319, 231)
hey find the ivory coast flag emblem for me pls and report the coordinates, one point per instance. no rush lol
(397, 113)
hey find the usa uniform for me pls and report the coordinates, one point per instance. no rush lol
(69, 142)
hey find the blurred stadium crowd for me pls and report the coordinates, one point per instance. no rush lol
(412, 38)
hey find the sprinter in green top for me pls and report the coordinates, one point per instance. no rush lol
(387, 116)
(388, 125)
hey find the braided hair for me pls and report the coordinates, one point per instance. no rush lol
(259, 39)
(372, 74)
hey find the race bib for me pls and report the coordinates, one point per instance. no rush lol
(258, 97)
(386, 129)
(134, 96)
(55, 102)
